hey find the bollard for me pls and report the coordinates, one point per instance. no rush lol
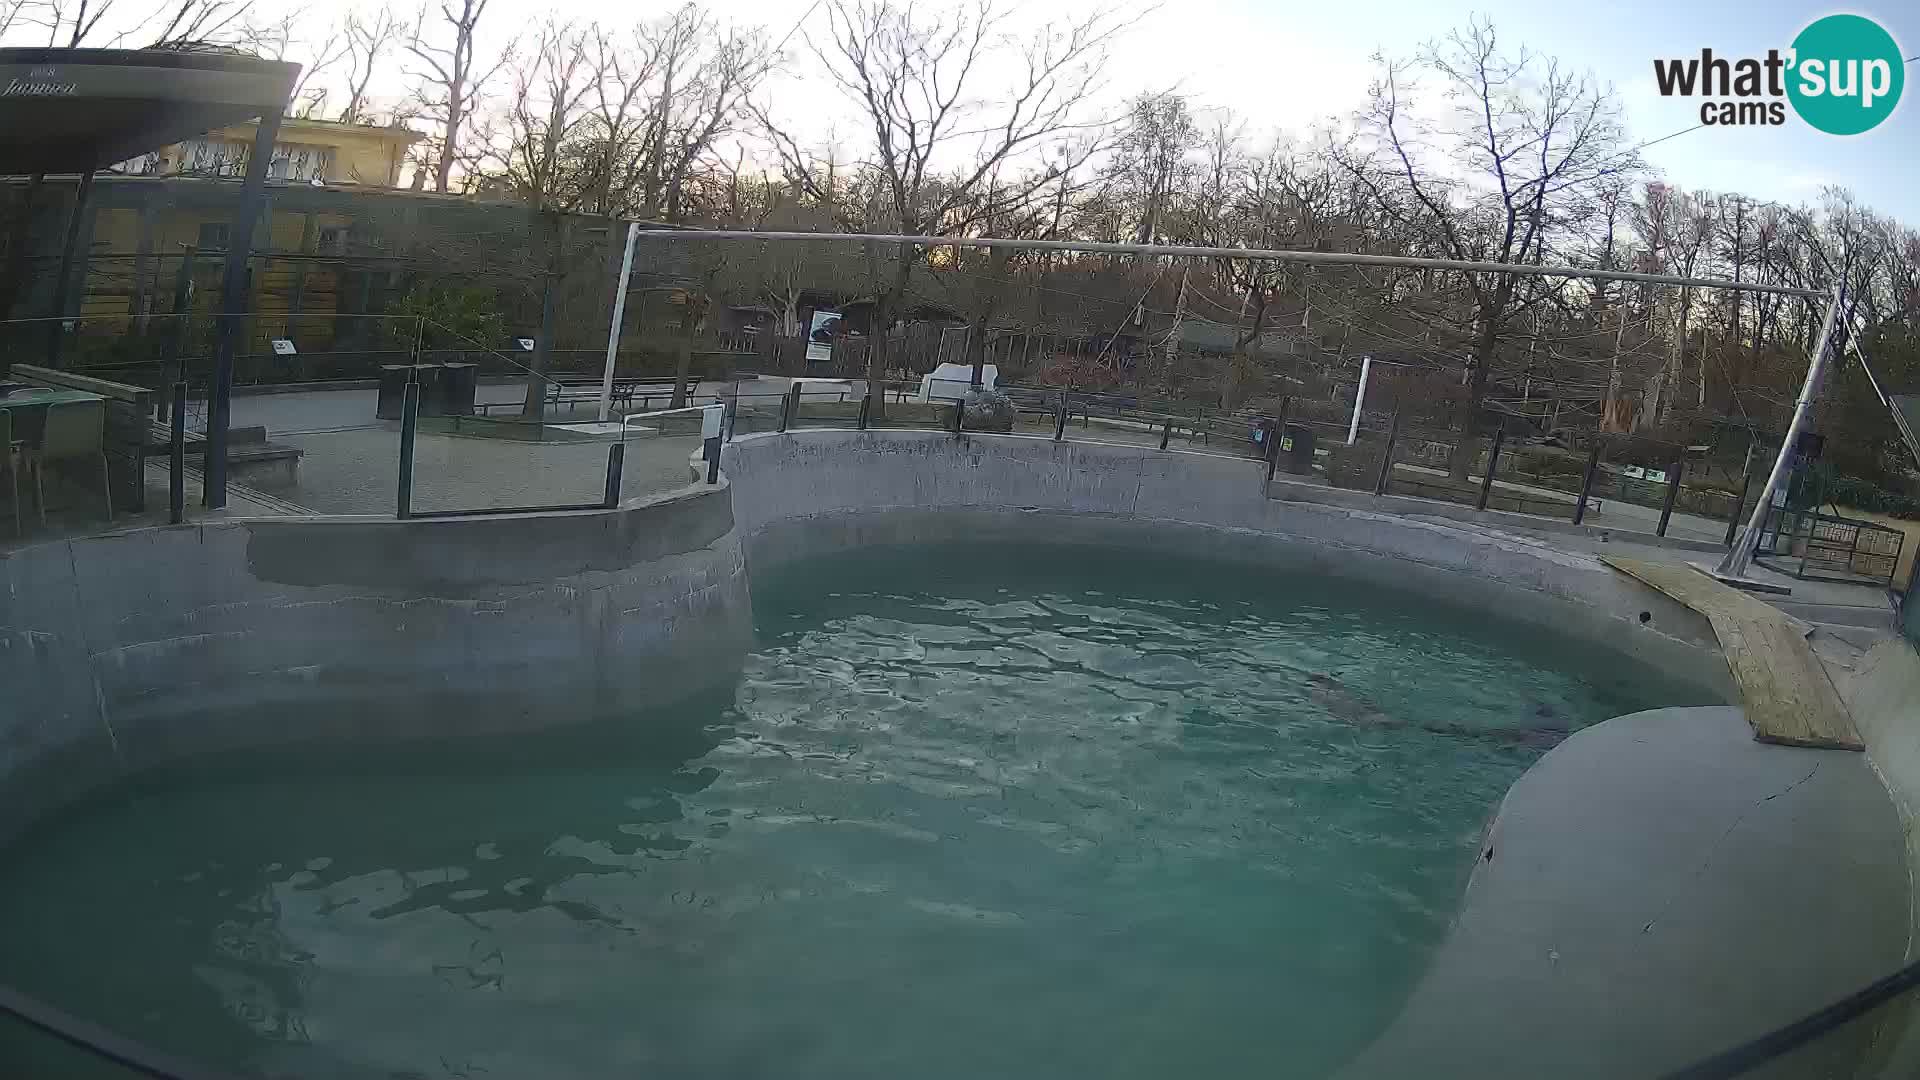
(1586, 483)
(959, 415)
(177, 456)
(1386, 461)
(1740, 500)
(409, 419)
(1060, 419)
(616, 461)
(1673, 492)
(731, 416)
(1166, 432)
(866, 402)
(1493, 463)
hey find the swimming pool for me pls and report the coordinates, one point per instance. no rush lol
(1024, 811)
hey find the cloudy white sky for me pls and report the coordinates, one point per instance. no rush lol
(1288, 66)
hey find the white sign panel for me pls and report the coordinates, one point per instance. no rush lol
(526, 344)
(283, 347)
(820, 336)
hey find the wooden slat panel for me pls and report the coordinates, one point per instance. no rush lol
(1784, 689)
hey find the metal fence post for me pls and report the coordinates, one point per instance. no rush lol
(616, 462)
(1493, 462)
(409, 419)
(1673, 493)
(1586, 483)
(1060, 419)
(1740, 499)
(789, 406)
(959, 415)
(177, 456)
(1386, 461)
(1279, 433)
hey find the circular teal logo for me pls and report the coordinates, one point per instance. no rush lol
(1846, 75)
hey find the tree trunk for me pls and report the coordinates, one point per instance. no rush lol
(683, 360)
(534, 405)
(1467, 416)
(884, 307)
(443, 170)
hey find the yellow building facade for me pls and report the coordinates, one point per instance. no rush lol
(306, 151)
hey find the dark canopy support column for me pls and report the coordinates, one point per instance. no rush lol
(233, 301)
(57, 328)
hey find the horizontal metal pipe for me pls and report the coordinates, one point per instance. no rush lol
(1317, 258)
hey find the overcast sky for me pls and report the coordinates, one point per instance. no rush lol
(1288, 66)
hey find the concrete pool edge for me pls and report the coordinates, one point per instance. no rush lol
(626, 600)
(815, 492)
(819, 491)
(137, 648)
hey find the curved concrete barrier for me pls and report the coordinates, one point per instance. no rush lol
(122, 651)
(812, 492)
(1656, 889)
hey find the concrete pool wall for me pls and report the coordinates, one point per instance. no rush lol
(1655, 872)
(816, 492)
(122, 651)
(1658, 888)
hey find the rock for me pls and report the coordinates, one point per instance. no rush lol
(987, 410)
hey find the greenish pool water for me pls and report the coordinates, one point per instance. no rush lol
(987, 812)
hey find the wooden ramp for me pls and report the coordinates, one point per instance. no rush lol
(1784, 689)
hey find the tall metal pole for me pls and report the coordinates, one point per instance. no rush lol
(1288, 255)
(1359, 397)
(619, 315)
(1734, 565)
(233, 299)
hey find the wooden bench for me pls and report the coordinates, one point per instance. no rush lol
(128, 427)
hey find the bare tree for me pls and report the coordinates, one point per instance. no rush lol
(454, 78)
(1525, 141)
(666, 92)
(549, 92)
(937, 147)
(1149, 157)
(368, 38)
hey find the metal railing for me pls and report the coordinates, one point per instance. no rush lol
(1830, 548)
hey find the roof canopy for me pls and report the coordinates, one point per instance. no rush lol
(74, 110)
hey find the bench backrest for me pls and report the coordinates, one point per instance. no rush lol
(137, 396)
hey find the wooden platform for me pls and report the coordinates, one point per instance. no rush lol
(1784, 689)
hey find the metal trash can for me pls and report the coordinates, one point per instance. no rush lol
(457, 382)
(1296, 450)
(393, 383)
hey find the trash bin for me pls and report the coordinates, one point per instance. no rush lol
(457, 382)
(1296, 450)
(393, 383)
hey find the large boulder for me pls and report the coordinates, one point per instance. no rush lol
(987, 410)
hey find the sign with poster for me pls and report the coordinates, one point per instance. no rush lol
(820, 336)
